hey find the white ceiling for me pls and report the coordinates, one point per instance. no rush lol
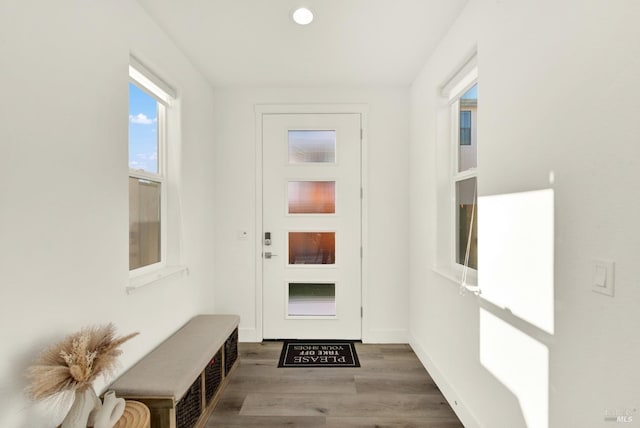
(350, 42)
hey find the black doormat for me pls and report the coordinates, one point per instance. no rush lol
(318, 353)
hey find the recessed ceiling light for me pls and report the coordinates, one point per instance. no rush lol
(302, 16)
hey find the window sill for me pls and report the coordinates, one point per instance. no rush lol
(140, 281)
(454, 275)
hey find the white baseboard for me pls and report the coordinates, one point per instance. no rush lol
(372, 336)
(249, 335)
(385, 336)
(457, 404)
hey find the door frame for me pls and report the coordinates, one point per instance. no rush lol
(265, 109)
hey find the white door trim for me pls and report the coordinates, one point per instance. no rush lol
(262, 109)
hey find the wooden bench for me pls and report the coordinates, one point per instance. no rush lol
(180, 380)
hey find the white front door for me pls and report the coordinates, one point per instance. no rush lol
(311, 228)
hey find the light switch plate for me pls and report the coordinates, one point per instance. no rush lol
(603, 276)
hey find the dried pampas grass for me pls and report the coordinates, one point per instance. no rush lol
(76, 362)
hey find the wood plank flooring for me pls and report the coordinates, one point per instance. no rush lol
(390, 389)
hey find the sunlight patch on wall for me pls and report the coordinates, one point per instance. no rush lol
(516, 254)
(521, 363)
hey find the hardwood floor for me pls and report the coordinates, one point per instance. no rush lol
(390, 389)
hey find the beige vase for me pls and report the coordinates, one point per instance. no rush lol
(84, 404)
(111, 410)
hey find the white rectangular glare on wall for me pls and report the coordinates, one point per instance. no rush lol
(516, 254)
(521, 363)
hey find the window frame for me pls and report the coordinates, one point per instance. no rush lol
(457, 83)
(467, 81)
(147, 82)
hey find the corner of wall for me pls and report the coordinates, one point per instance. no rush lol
(457, 404)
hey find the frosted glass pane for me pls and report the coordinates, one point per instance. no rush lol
(144, 222)
(312, 248)
(312, 146)
(312, 197)
(312, 299)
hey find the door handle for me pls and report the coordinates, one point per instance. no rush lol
(269, 254)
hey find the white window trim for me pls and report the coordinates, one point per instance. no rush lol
(456, 175)
(458, 83)
(144, 77)
(165, 95)
(471, 276)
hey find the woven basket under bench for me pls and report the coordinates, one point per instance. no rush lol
(181, 380)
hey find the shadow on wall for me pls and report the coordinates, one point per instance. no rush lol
(516, 276)
(520, 363)
(46, 413)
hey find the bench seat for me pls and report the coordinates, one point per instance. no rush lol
(174, 368)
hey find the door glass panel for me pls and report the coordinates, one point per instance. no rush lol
(312, 248)
(312, 146)
(312, 197)
(311, 299)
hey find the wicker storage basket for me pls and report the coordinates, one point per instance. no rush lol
(212, 376)
(231, 351)
(189, 408)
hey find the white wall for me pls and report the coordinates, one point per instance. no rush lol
(558, 92)
(63, 185)
(386, 318)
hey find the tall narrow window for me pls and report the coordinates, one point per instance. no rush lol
(147, 173)
(465, 109)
